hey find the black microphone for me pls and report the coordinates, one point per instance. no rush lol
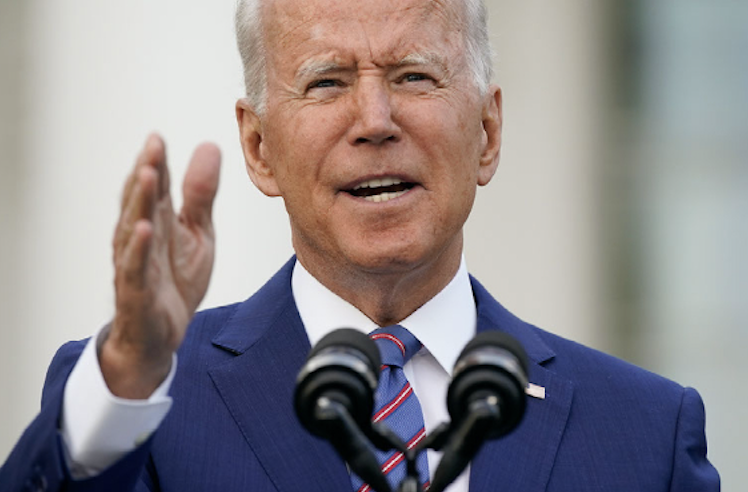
(334, 399)
(486, 400)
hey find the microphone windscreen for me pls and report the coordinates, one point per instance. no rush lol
(491, 364)
(343, 366)
(498, 339)
(354, 339)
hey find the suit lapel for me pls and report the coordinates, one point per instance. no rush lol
(266, 332)
(522, 461)
(258, 384)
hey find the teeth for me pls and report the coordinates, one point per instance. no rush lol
(384, 197)
(376, 183)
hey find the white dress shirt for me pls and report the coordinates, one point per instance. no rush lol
(444, 325)
(98, 428)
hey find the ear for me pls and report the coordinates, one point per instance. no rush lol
(492, 121)
(251, 135)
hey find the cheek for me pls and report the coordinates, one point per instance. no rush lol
(453, 154)
(316, 122)
(453, 147)
(450, 124)
(306, 139)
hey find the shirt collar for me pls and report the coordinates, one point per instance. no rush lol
(444, 325)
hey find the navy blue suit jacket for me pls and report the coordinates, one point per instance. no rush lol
(603, 425)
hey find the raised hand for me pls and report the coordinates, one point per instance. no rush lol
(163, 263)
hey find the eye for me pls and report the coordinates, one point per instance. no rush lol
(323, 84)
(415, 77)
(416, 82)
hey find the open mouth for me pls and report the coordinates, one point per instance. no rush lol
(381, 190)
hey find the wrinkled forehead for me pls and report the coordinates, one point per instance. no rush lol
(357, 10)
(288, 23)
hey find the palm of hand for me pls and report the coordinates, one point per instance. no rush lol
(163, 263)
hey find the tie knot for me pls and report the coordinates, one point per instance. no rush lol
(396, 344)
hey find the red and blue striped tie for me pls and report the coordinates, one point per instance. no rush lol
(397, 406)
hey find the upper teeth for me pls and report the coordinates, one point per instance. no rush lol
(376, 183)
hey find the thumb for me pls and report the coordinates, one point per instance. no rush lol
(201, 184)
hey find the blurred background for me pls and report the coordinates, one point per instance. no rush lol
(617, 217)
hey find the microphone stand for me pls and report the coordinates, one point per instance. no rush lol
(410, 483)
(350, 442)
(384, 438)
(460, 441)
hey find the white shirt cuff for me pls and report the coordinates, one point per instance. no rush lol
(99, 428)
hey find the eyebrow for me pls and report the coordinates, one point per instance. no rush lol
(428, 58)
(316, 68)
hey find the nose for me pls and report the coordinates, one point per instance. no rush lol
(374, 122)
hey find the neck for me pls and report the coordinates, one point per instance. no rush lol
(387, 295)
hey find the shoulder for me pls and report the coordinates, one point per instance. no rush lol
(602, 380)
(232, 328)
(613, 411)
(591, 371)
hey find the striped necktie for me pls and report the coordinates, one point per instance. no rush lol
(397, 406)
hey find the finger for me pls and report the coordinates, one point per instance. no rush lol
(201, 185)
(136, 255)
(153, 154)
(149, 176)
(140, 205)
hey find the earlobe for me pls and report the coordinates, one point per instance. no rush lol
(492, 123)
(251, 135)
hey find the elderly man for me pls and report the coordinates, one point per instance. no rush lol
(375, 121)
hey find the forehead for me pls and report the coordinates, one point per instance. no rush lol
(380, 30)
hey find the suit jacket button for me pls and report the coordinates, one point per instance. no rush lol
(38, 483)
(42, 485)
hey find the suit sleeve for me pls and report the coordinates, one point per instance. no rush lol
(37, 462)
(692, 471)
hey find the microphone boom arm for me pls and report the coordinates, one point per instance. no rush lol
(348, 440)
(467, 438)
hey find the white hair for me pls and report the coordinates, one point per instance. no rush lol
(477, 44)
(249, 38)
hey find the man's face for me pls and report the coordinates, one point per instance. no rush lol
(374, 132)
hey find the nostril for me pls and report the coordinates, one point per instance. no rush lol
(376, 139)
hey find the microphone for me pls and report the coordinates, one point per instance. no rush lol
(334, 399)
(486, 400)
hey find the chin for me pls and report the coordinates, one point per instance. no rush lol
(390, 260)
